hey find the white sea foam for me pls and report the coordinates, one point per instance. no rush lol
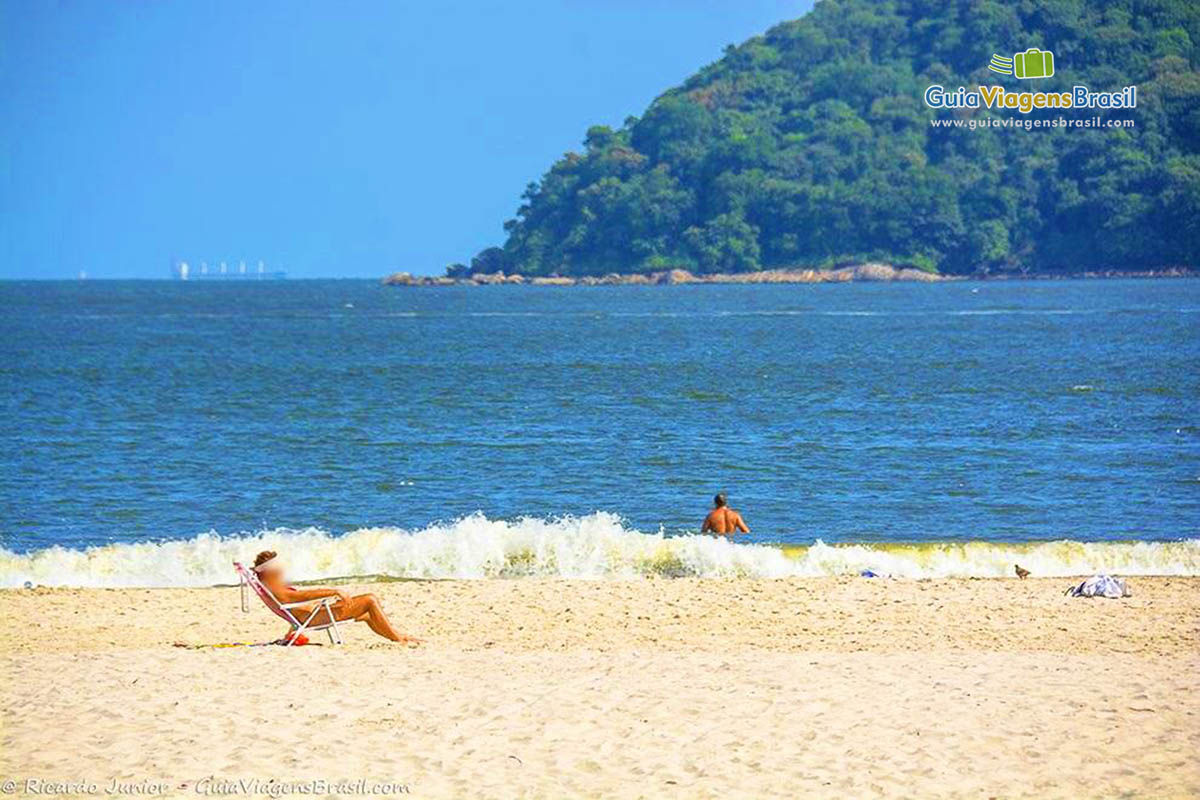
(597, 546)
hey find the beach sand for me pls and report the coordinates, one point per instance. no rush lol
(651, 688)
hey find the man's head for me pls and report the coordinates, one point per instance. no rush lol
(719, 501)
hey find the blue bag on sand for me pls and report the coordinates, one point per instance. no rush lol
(1100, 586)
(866, 573)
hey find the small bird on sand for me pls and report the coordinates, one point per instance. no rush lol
(1021, 573)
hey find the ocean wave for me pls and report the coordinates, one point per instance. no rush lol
(597, 546)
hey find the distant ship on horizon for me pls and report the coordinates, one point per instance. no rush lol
(181, 270)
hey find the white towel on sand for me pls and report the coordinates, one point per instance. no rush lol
(1100, 586)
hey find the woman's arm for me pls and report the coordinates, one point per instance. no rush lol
(286, 594)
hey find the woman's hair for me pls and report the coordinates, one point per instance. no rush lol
(263, 557)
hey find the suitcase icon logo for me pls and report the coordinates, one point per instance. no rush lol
(1033, 63)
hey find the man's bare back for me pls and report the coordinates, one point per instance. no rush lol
(723, 520)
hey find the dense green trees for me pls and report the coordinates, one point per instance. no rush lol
(811, 145)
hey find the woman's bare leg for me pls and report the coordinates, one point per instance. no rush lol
(366, 608)
(377, 621)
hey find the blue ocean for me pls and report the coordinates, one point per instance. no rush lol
(152, 431)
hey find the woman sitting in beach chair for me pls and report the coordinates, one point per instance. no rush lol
(348, 608)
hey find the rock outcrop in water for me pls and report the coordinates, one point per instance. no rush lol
(860, 272)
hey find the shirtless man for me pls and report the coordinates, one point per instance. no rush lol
(723, 520)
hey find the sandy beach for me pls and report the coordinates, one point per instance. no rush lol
(648, 688)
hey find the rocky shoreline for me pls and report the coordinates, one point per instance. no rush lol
(861, 272)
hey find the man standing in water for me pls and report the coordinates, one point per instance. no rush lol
(723, 520)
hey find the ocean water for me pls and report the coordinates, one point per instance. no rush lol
(153, 431)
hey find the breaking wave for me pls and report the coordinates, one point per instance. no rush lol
(595, 546)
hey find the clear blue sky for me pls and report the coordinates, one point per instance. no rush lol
(332, 139)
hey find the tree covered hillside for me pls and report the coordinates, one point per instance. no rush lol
(812, 145)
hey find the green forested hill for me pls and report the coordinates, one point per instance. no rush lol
(812, 145)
